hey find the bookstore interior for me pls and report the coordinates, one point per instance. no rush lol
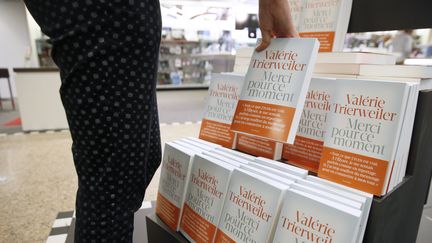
(325, 137)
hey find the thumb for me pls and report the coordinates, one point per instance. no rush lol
(266, 40)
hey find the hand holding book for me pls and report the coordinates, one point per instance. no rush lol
(275, 21)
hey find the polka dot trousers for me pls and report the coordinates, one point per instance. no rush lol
(107, 52)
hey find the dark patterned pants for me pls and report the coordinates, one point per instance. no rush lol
(107, 52)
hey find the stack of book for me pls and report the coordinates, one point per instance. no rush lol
(367, 133)
(270, 99)
(368, 78)
(357, 91)
(356, 132)
(229, 196)
(223, 96)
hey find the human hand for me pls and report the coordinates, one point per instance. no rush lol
(275, 21)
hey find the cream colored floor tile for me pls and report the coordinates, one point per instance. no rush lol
(38, 180)
(41, 181)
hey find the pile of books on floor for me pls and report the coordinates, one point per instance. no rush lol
(213, 194)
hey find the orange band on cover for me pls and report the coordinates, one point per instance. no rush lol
(199, 229)
(221, 237)
(167, 212)
(264, 120)
(353, 170)
(305, 153)
(216, 132)
(326, 39)
(256, 146)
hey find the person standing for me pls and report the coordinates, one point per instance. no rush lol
(403, 45)
(107, 54)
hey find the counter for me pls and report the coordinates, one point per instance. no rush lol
(39, 102)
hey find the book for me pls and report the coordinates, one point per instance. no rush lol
(402, 71)
(309, 218)
(326, 20)
(223, 95)
(226, 157)
(362, 197)
(331, 189)
(372, 71)
(332, 75)
(362, 133)
(403, 147)
(269, 175)
(257, 146)
(327, 195)
(274, 89)
(275, 172)
(342, 197)
(205, 195)
(337, 68)
(237, 153)
(282, 167)
(208, 144)
(251, 208)
(306, 150)
(175, 171)
(356, 58)
(194, 144)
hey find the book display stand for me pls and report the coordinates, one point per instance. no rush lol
(394, 217)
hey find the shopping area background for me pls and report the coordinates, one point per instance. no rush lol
(37, 178)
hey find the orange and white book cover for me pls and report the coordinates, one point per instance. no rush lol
(306, 217)
(275, 88)
(308, 144)
(251, 208)
(259, 147)
(362, 133)
(223, 95)
(205, 195)
(326, 20)
(175, 170)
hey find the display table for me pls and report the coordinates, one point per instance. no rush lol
(394, 217)
(39, 100)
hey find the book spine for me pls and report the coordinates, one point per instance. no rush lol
(175, 171)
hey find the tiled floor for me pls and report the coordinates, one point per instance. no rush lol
(39, 181)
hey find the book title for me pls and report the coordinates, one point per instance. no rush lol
(172, 178)
(309, 228)
(313, 118)
(226, 96)
(202, 198)
(358, 134)
(321, 15)
(246, 221)
(275, 81)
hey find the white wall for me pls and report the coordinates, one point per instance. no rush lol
(35, 33)
(15, 50)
